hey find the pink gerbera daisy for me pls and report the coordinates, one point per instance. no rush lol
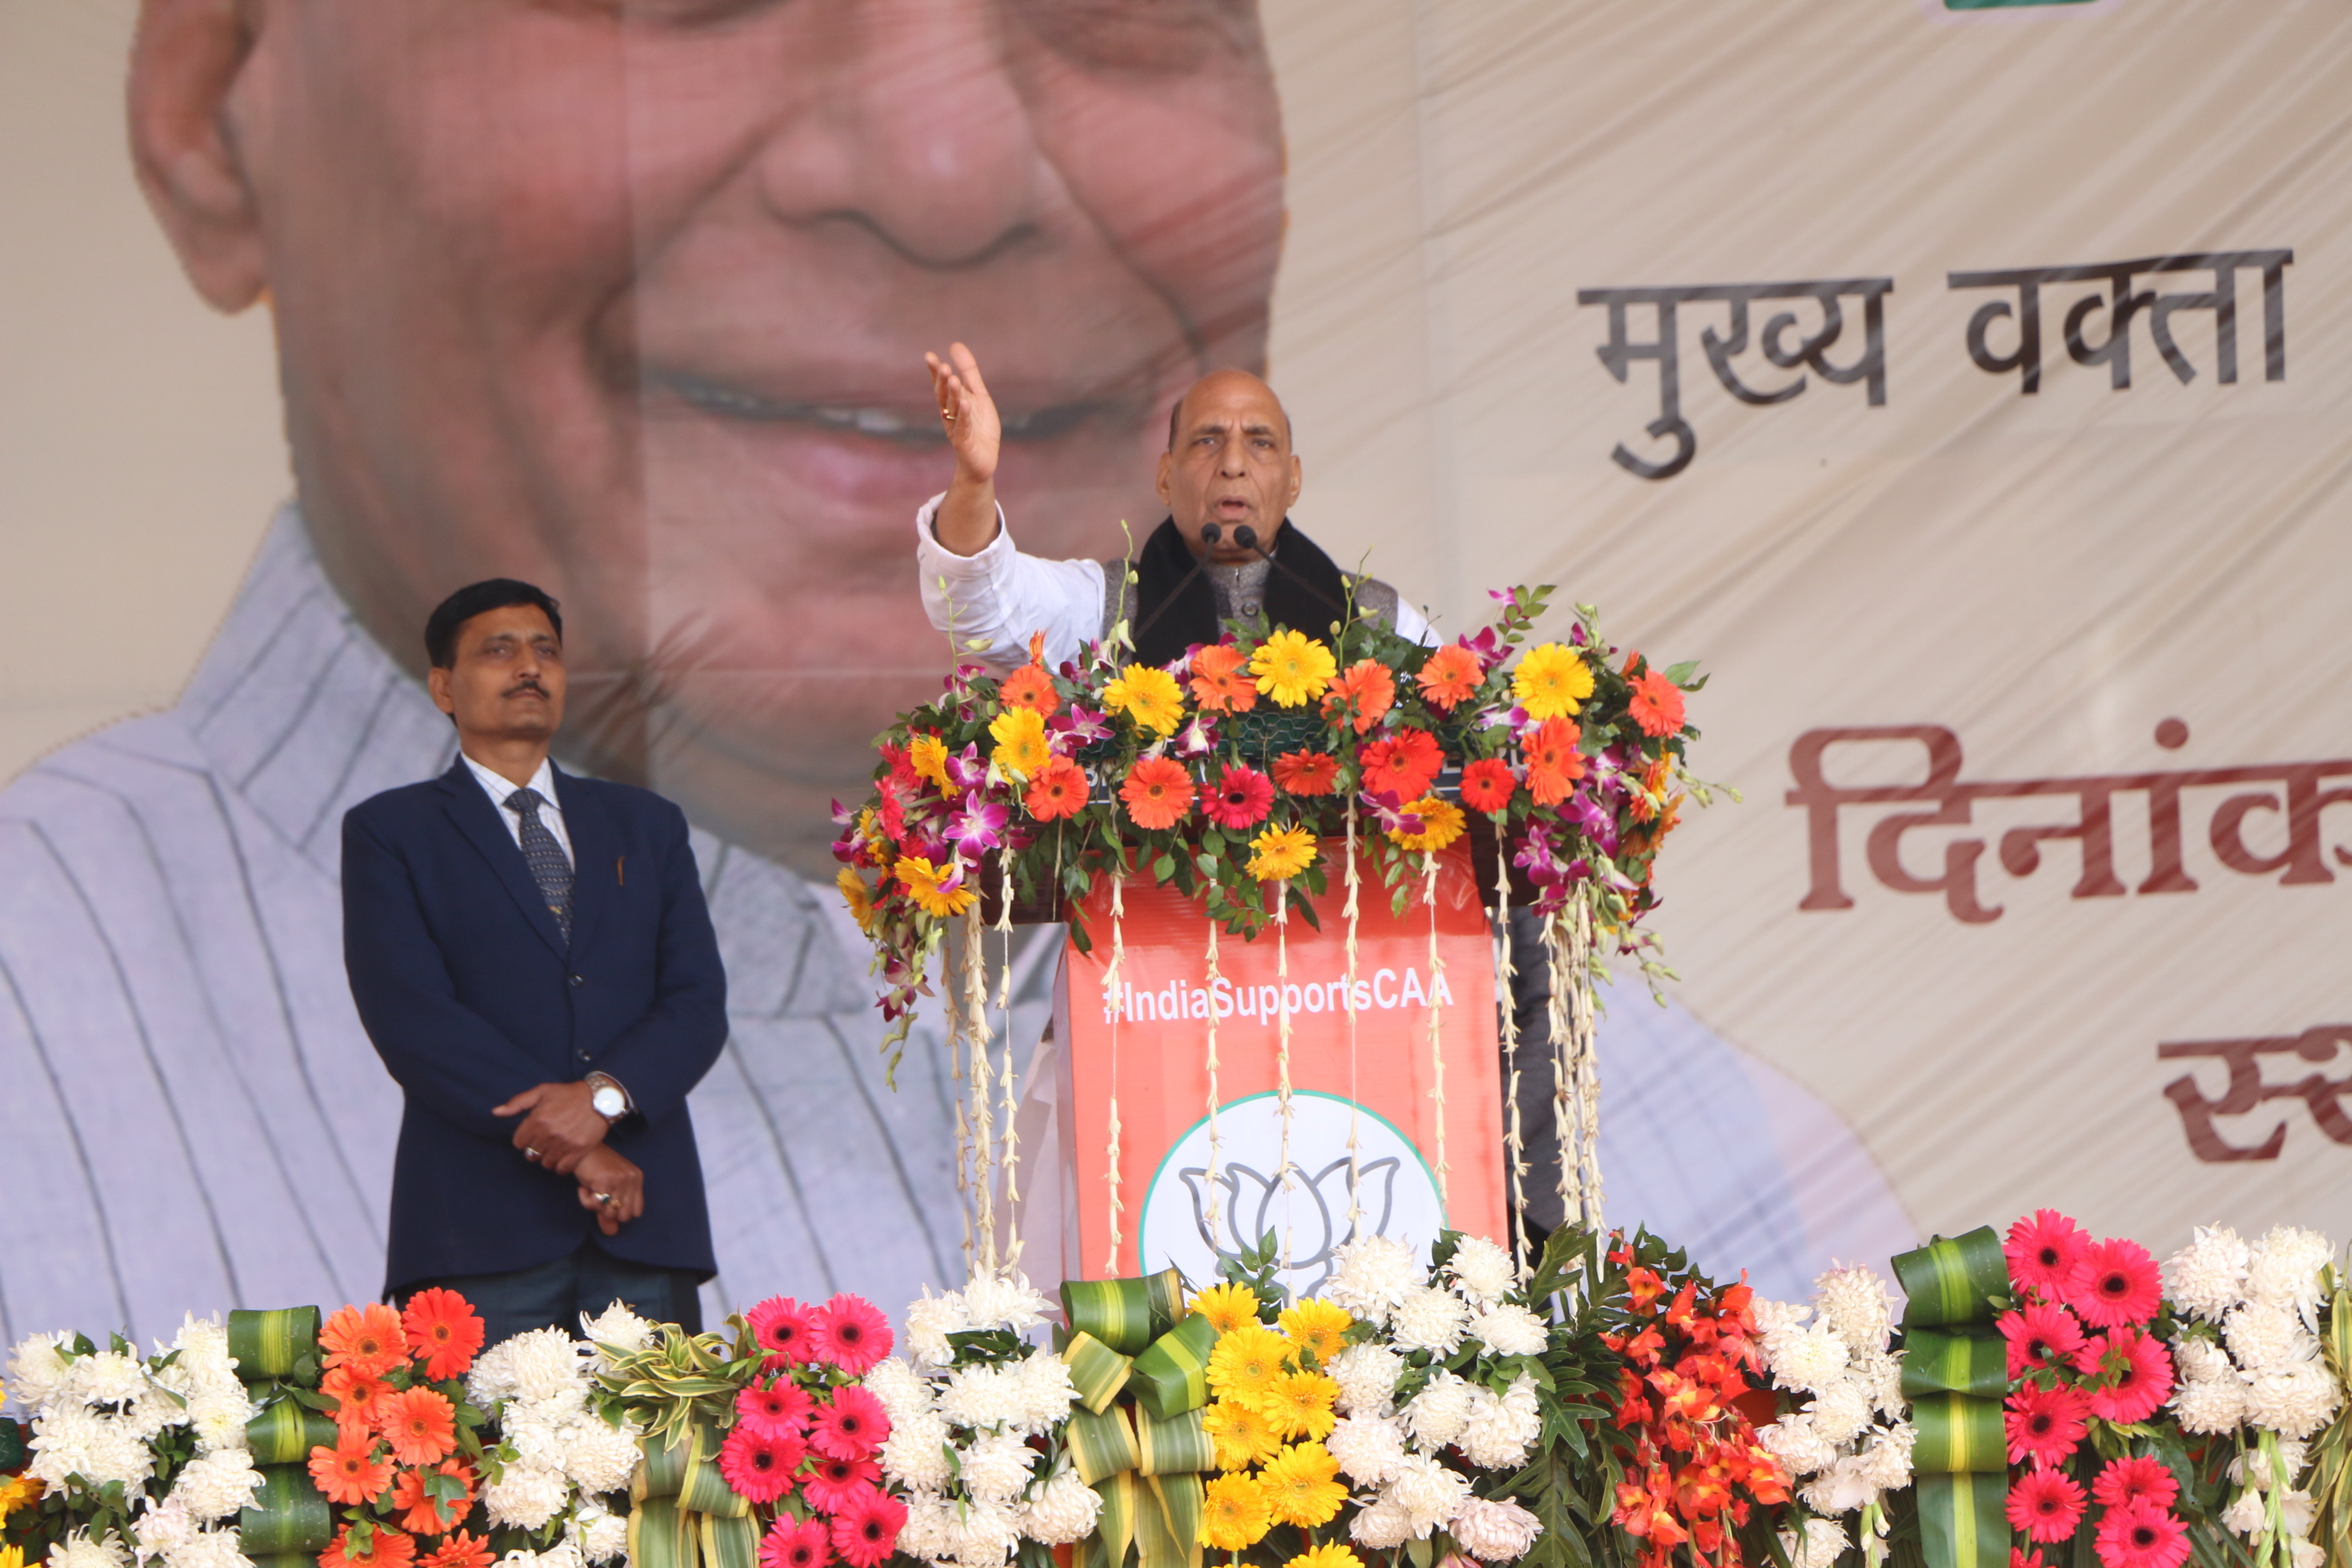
(2044, 1425)
(796, 1543)
(852, 1426)
(851, 1335)
(834, 1484)
(867, 1531)
(784, 1330)
(1242, 798)
(2045, 1505)
(2142, 1536)
(2020, 1558)
(759, 1464)
(2045, 1252)
(2126, 1482)
(777, 1408)
(2040, 1335)
(2119, 1284)
(2132, 1373)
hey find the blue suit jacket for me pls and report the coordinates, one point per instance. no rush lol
(470, 995)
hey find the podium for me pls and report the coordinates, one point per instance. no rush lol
(1381, 1129)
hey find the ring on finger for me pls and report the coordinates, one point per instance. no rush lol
(531, 1153)
(603, 1197)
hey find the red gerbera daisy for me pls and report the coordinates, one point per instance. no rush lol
(1656, 703)
(443, 1329)
(2119, 1284)
(1056, 790)
(1451, 674)
(781, 1408)
(851, 1335)
(2044, 1252)
(2142, 1536)
(1487, 784)
(834, 1484)
(852, 1426)
(461, 1551)
(1157, 792)
(781, 1326)
(796, 1543)
(386, 1547)
(865, 1531)
(419, 1425)
(1306, 772)
(366, 1339)
(2044, 1425)
(2045, 1505)
(2132, 1374)
(2038, 1335)
(2019, 1558)
(759, 1464)
(1405, 764)
(1242, 798)
(2125, 1482)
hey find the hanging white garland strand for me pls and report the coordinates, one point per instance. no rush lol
(1436, 1016)
(1215, 1144)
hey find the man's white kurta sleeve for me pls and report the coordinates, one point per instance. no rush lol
(1000, 596)
(1413, 627)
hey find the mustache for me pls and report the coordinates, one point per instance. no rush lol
(528, 683)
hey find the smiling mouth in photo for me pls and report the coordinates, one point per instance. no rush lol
(912, 425)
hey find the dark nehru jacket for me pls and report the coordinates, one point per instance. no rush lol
(1299, 592)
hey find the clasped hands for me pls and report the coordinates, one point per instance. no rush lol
(564, 1133)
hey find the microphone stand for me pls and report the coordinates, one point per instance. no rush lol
(1209, 534)
(1246, 537)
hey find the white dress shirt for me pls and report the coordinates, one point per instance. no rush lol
(500, 788)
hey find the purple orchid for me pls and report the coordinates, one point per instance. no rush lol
(965, 769)
(1198, 738)
(1084, 726)
(1388, 809)
(978, 827)
(1489, 649)
(1598, 825)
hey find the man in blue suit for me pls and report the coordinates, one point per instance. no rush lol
(523, 943)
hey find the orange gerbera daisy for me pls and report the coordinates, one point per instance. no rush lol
(1058, 789)
(1030, 687)
(420, 1426)
(1157, 792)
(1404, 764)
(422, 1514)
(1554, 764)
(1656, 704)
(349, 1472)
(386, 1547)
(1451, 676)
(359, 1398)
(1364, 693)
(443, 1330)
(1218, 684)
(1306, 772)
(1644, 804)
(366, 1339)
(460, 1551)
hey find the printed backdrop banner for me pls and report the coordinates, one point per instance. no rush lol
(1968, 386)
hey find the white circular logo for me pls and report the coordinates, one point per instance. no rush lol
(1311, 1203)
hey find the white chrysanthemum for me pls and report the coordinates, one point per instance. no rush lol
(38, 1375)
(215, 1485)
(598, 1456)
(1043, 1391)
(162, 1528)
(564, 1553)
(536, 1441)
(2199, 1360)
(1509, 1330)
(984, 1534)
(1366, 1374)
(1882, 1375)
(1482, 1271)
(623, 1329)
(1382, 1527)
(1501, 1429)
(996, 1468)
(1778, 1317)
(1494, 1532)
(2211, 1405)
(202, 1364)
(605, 1536)
(1855, 1303)
(1842, 1410)
(985, 1399)
(526, 1496)
(915, 1454)
(1369, 1449)
(1823, 1540)
(218, 1421)
(1003, 1301)
(1886, 1457)
(1436, 1415)
(2263, 1335)
(924, 1534)
(79, 1551)
(1793, 1441)
(545, 1363)
(147, 1414)
(1840, 1489)
(1429, 1319)
(1064, 1510)
(903, 1390)
(2207, 1277)
(1373, 1274)
(62, 1443)
(110, 1377)
(2283, 1269)
(208, 1549)
(1809, 1359)
(2294, 1400)
(929, 1321)
(2246, 1513)
(115, 1451)
(1430, 1493)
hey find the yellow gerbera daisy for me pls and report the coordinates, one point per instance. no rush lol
(1441, 825)
(1148, 695)
(1302, 1485)
(928, 756)
(1227, 1306)
(1244, 1433)
(1247, 1363)
(1301, 1404)
(922, 879)
(1292, 668)
(1280, 853)
(1235, 1513)
(1318, 1327)
(1330, 1555)
(859, 896)
(1551, 682)
(1021, 748)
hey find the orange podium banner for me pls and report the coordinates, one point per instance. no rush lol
(1423, 1116)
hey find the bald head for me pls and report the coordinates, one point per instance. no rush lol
(1228, 462)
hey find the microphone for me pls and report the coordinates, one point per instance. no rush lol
(1210, 533)
(1246, 537)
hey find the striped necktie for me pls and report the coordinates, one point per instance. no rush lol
(545, 856)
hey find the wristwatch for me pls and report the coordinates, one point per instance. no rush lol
(611, 1100)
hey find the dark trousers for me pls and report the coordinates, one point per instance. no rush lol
(553, 1295)
(1530, 1004)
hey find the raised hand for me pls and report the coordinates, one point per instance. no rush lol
(967, 520)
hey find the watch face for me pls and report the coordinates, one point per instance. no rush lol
(609, 1101)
